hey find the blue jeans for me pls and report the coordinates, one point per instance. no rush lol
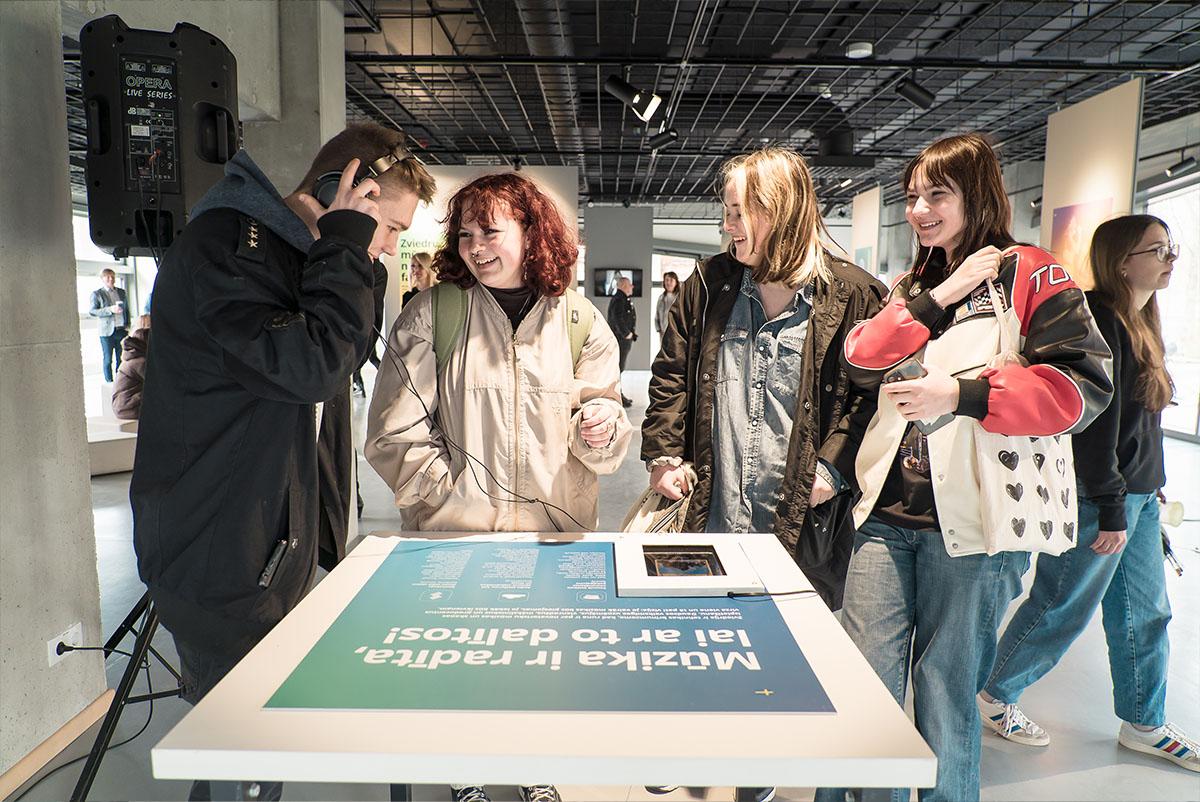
(110, 347)
(1131, 588)
(906, 598)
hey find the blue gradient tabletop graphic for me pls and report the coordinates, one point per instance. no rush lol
(540, 627)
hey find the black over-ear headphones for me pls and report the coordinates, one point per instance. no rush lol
(326, 186)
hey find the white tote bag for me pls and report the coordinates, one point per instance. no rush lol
(1026, 484)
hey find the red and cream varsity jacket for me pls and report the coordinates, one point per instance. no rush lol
(1065, 385)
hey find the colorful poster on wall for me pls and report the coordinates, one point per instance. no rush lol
(1072, 229)
(541, 627)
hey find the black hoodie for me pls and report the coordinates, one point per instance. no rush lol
(1122, 450)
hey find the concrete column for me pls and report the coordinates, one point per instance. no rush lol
(312, 89)
(48, 571)
(617, 237)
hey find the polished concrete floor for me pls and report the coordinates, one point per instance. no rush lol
(1073, 702)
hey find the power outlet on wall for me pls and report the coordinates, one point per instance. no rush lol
(72, 636)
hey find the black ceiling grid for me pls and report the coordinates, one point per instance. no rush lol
(497, 81)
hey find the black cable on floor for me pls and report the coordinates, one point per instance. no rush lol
(149, 718)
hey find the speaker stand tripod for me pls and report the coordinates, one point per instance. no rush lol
(144, 633)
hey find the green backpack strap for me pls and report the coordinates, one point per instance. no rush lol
(580, 317)
(449, 318)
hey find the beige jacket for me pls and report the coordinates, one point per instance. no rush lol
(511, 400)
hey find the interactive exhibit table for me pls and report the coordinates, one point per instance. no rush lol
(603, 659)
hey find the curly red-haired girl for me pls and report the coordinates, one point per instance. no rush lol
(494, 203)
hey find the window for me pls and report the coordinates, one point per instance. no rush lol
(1178, 303)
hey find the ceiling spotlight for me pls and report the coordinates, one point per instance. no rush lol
(824, 91)
(662, 138)
(643, 104)
(860, 50)
(1036, 203)
(517, 163)
(1184, 166)
(845, 183)
(914, 93)
(590, 204)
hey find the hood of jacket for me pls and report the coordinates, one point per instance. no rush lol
(247, 189)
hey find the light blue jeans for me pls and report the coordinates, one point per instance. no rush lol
(907, 599)
(1131, 588)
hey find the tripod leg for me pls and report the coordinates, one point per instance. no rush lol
(126, 626)
(140, 647)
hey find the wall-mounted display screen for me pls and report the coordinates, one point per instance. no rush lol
(605, 280)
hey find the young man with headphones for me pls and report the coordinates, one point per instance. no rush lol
(263, 308)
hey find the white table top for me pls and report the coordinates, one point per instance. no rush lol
(868, 742)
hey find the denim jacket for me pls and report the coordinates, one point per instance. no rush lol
(758, 380)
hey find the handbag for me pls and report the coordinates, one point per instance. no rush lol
(1026, 484)
(654, 512)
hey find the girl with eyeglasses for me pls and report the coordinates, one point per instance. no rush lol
(1118, 562)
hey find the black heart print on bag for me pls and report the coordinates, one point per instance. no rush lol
(1047, 528)
(1070, 530)
(1066, 498)
(1009, 459)
(1044, 493)
(1018, 525)
(1016, 491)
(1061, 464)
(1039, 460)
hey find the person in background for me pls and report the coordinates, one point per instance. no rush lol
(110, 305)
(131, 373)
(1118, 562)
(420, 275)
(670, 282)
(921, 590)
(622, 319)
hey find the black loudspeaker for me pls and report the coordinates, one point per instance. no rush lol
(162, 120)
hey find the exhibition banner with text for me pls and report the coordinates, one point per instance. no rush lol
(540, 627)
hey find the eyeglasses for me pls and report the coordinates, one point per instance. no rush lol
(1165, 253)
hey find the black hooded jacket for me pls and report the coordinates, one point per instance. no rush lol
(253, 324)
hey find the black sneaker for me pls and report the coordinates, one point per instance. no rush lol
(626, 402)
(470, 793)
(753, 795)
(539, 793)
(661, 789)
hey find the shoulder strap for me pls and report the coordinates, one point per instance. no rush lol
(449, 317)
(579, 323)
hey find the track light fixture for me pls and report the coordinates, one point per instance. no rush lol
(845, 183)
(643, 104)
(914, 93)
(662, 138)
(1036, 203)
(1182, 166)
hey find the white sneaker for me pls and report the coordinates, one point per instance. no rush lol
(1166, 742)
(1010, 723)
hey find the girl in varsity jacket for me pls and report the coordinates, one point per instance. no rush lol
(920, 583)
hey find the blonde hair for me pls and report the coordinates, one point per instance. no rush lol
(774, 186)
(1112, 243)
